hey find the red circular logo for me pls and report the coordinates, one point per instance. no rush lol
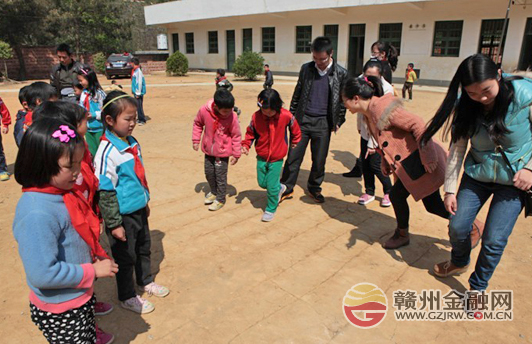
(365, 305)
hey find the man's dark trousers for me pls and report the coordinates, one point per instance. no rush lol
(315, 130)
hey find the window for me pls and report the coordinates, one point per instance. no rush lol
(213, 42)
(447, 38)
(247, 39)
(189, 38)
(391, 33)
(490, 38)
(331, 31)
(303, 39)
(268, 40)
(175, 42)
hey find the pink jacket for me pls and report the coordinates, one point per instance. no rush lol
(221, 137)
(398, 133)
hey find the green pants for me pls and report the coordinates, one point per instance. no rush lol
(93, 141)
(268, 176)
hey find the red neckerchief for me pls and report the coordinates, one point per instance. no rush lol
(134, 69)
(28, 120)
(86, 101)
(139, 168)
(217, 80)
(90, 182)
(216, 121)
(83, 218)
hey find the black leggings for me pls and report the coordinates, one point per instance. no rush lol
(433, 204)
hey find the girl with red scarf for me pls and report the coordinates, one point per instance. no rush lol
(57, 233)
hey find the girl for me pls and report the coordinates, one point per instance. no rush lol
(387, 54)
(221, 140)
(268, 127)
(371, 162)
(492, 114)
(55, 231)
(419, 171)
(86, 183)
(92, 100)
(124, 197)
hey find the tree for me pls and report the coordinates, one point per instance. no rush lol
(177, 64)
(20, 24)
(5, 53)
(249, 65)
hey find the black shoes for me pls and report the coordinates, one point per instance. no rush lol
(356, 172)
(317, 196)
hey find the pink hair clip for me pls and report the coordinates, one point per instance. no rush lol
(366, 78)
(64, 133)
(84, 71)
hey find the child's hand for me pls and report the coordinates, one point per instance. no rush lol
(105, 268)
(293, 145)
(148, 210)
(195, 146)
(119, 233)
(234, 160)
(245, 150)
(5, 130)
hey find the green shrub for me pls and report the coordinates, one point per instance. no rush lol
(99, 61)
(249, 65)
(177, 64)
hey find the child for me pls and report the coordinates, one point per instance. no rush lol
(37, 93)
(409, 81)
(268, 127)
(55, 232)
(114, 87)
(222, 82)
(86, 183)
(221, 140)
(6, 121)
(268, 77)
(78, 91)
(371, 162)
(124, 197)
(18, 129)
(138, 87)
(92, 100)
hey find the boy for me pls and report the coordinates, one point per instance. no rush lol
(221, 141)
(37, 93)
(138, 87)
(409, 81)
(268, 76)
(6, 121)
(18, 129)
(114, 87)
(221, 80)
(268, 130)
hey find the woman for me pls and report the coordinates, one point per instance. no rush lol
(419, 171)
(387, 54)
(492, 110)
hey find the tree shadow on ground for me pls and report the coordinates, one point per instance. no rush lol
(204, 187)
(374, 227)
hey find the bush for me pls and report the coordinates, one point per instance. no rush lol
(249, 65)
(177, 64)
(99, 61)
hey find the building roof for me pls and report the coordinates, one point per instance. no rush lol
(190, 10)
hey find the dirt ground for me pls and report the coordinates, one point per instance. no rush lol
(236, 279)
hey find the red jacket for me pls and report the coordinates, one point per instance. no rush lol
(6, 117)
(270, 134)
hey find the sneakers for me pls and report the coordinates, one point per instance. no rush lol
(366, 199)
(156, 290)
(4, 176)
(103, 337)
(216, 205)
(102, 308)
(385, 202)
(210, 198)
(287, 194)
(356, 172)
(317, 196)
(281, 192)
(267, 216)
(138, 305)
(446, 269)
(141, 123)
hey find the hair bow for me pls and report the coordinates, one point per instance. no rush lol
(64, 134)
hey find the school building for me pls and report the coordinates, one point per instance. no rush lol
(434, 35)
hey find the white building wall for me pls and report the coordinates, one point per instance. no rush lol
(416, 43)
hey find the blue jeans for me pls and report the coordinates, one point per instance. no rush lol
(506, 205)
